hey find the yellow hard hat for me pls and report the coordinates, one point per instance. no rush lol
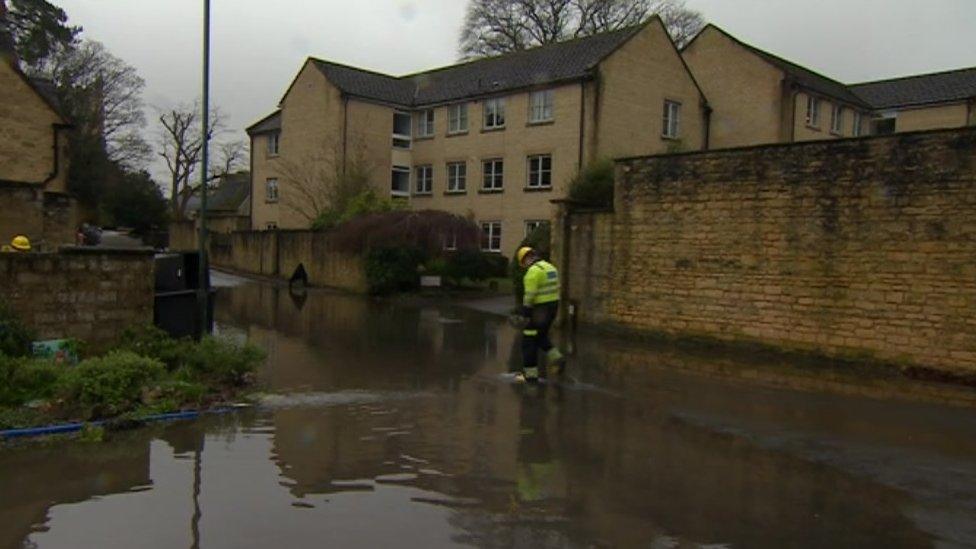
(522, 252)
(20, 243)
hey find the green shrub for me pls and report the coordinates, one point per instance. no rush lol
(391, 270)
(15, 338)
(23, 380)
(150, 341)
(220, 360)
(110, 384)
(594, 185)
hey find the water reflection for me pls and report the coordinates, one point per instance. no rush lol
(399, 431)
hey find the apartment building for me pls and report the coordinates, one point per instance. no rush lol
(923, 102)
(758, 97)
(494, 139)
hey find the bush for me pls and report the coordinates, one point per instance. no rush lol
(152, 342)
(390, 270)
(24, 379)
(111, 384)
(363, 203)
(15, 338)
(219, 360)
(594, 185)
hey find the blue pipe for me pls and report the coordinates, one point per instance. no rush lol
(75, 427)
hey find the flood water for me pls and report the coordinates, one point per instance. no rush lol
(394, 426)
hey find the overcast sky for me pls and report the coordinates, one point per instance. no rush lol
(259, 45)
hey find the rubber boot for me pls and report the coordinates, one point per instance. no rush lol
(556, 362)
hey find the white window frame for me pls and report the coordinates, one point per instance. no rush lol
(495, 175)
(541, 106)
(857, 126)
(401, 170)
(536, 174)
(405, 140)
(836, 119)
(813, 111)
(457, 177)
(274, 143)
(490, 232)
(494, 113)
(532, 224)
(271, 190)
(457, 119)
(425, 123)
(424, 179)
(450, 242)
(671, 119)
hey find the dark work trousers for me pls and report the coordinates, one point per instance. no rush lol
(539, 322)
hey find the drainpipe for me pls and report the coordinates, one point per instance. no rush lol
(345, 130)
(708, 125)
(582, 125)
(56, 169)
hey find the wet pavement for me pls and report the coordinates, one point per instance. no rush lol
(394, 426)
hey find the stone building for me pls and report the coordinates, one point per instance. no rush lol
(495, 139)
(759, 98)
(33, 162)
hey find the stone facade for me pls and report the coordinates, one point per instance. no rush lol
(86, 293)
(616, 112)
(48, 219)
(855, 248)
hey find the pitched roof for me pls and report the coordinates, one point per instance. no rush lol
(269, 123)
(547, 64)
(230, 194)
(924, 89)
(44, 88)
(803, 76)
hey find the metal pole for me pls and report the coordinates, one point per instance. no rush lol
(203, 293)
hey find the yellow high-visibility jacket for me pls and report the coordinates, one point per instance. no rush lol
(541, 284)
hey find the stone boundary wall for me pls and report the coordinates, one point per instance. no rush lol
(858, 248)
(91, 294)
(278, 254)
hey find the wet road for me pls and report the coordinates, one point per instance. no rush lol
(395, 428)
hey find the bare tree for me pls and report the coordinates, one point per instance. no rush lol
(325, 181)
(230, 157)
(102, 96)
(181, 144)
(493, 27)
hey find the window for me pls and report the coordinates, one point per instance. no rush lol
(672, 119)
(401, 130)
(457, 118)
(856, 129)
(491, 236)
(457, 177)
(272, 226)
(533, 224)
(425, 123)
(813, 111)
(540, 106)
(271, 190)
(274, 142)
(494, 113)
(494, 175)
(400, 185)
(540, 172)
(886, 126)
(836, 119)
(450, 242)
(425, 180)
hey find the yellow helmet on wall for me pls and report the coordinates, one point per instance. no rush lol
(20, 243)
(522, 252)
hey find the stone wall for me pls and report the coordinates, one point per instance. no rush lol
(278, 254)
(91, 294)
(857, 248)
(48, 219)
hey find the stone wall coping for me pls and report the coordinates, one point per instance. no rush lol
(100, 250)
(733, 151)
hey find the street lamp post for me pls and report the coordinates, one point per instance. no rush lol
(203, 293)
